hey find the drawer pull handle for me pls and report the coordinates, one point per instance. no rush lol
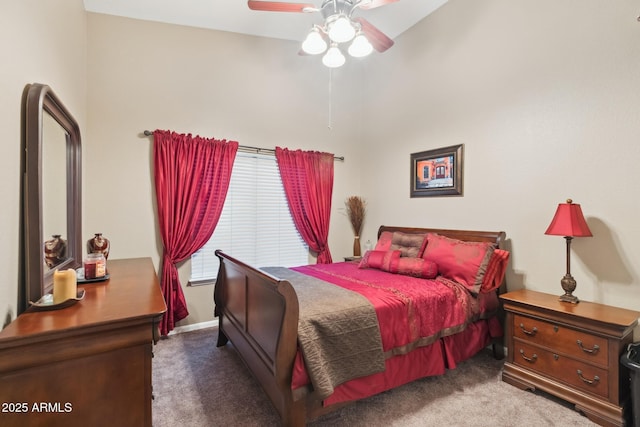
(531, 332)
(531, 359)
(593, 350)
(593, 381)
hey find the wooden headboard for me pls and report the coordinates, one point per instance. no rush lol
(496, 237)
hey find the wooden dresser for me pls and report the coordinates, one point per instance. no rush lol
(571, 351)
(88, 364)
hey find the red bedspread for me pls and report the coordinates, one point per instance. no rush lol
(412, 312)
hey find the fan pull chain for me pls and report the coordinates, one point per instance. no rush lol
(330, 97)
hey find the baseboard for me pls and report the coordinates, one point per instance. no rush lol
(194, 327)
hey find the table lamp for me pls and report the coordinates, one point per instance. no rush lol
(569, 222)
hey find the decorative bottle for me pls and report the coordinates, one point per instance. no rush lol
(98, 244)
(55, 251)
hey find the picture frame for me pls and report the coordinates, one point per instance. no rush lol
(437, 172)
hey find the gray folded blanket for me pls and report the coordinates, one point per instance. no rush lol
(338, 331)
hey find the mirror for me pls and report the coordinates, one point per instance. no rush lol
(51, 191)
(54, 207)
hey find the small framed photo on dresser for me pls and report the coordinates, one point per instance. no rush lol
(437, 172)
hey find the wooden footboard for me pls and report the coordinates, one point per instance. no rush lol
(259, 313)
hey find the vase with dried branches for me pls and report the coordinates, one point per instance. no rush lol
(356, 209)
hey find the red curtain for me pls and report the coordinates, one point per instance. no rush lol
(192, 178)
(307, 177)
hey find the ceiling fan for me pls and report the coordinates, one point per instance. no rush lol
(340, 26)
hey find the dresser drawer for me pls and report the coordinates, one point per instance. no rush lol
(558, 338)
(574, 372)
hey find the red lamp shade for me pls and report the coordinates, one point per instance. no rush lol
(569, 221)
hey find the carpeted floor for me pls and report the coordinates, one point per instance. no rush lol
(197, 384)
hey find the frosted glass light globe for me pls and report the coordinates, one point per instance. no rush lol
(314, 44)
(333, 58)
(341, 30)
(360, 47)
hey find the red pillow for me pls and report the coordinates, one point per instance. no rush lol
(384, 242)
(416, 267)
(379, 259)
(391, 262)
(495, 271)
(423, 247)
(458, 260)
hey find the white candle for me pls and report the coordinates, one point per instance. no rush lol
(64, 285)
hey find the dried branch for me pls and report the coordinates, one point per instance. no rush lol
(356, 209)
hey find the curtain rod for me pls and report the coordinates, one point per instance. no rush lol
(249, 149)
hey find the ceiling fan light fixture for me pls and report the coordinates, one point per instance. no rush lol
(360, 47)
(314, 44)
(339, 26)
(341, 29)
(333, 58)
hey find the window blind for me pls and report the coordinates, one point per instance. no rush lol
(255, 225)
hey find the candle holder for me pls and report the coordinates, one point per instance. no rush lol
(46, 302)
(95, 266)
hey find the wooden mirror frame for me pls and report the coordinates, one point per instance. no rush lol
(39, 99)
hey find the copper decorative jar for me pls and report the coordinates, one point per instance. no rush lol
(98, 244)
(55, 251)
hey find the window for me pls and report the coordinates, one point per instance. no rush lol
(255, 225)
(426, 172)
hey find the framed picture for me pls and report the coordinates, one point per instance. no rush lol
(437, 172)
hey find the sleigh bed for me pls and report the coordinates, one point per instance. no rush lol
(317, 337)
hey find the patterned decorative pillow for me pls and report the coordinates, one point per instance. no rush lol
(379, 259)
(410, 245)
(416, 267)
(495, 270)
(407, 243)
(460, 261)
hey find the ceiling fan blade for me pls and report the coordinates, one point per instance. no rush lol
(372, 4)
(277, 6)
(377, 38)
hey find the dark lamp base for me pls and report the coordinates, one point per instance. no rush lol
(569, 298)
(568, 286)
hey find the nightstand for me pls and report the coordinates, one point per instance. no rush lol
(571, 351)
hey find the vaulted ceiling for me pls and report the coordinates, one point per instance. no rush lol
(234, 15)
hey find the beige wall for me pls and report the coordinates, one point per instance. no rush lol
(542, 94)
(40, 42)
(544, 97)
(259, 92)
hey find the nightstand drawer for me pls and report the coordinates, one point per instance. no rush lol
(576, 373)
(558, 338)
